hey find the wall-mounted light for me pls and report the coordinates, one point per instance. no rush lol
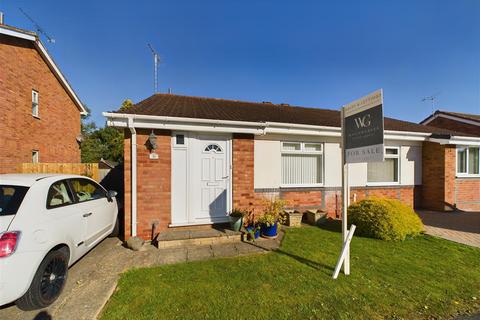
(152, 141)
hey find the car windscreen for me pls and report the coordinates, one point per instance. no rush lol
(11, 198)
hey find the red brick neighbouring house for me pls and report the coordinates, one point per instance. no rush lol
(39, 111)
(189, 160)
(454, 182)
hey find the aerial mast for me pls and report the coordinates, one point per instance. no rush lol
(39, 29)
(156, 61)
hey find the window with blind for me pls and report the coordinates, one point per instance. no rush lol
(302, 164)
(468, 161)
(386, 172)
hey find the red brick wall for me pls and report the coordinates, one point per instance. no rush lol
(54, 133)
(242, 170)
(153, 184)
(458, 126)
(467, 194)
(438, 176)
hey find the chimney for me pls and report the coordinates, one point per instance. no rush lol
(1, 17)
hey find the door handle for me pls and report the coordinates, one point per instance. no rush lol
(226, 177)
(87, 214)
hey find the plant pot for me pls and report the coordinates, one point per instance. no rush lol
(236, 223)
(269, 231)
(257, 232)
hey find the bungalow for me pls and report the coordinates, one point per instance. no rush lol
(190, 160)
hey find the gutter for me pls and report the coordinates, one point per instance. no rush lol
(258, 128)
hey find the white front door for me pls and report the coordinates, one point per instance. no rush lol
(211, 179)
(201, 165)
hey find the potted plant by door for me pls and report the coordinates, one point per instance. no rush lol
(236, 219)
(271, 218)
(251, 226)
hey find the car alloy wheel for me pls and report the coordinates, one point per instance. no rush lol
(53, 279)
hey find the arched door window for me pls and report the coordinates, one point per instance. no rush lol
(213, 147)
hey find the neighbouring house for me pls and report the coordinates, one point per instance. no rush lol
(189, 160)
(39, 111)
(458, 175)
(460, 122)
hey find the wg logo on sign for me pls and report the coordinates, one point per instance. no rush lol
(363, 122)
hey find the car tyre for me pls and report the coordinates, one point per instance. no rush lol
(116, 229)
(48, 282)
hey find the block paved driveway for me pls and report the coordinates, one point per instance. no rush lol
(458, 226)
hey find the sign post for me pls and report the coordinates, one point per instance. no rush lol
(362, 141)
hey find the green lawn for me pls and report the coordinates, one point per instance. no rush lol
(421, 278)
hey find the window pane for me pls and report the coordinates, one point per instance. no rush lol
(473, 161)
(11, 198)
(86, 190)
(180, 139)
(58, 195)
(298, 169)
(313, 147)
(289, 146)
(391, 151)
(462, 160)
(386, 171)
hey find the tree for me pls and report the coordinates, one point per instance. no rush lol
(126, 104)
(98, 143)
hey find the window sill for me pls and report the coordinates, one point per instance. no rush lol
(467, 176)
(287, 186)
(36, 117)
(382, 184)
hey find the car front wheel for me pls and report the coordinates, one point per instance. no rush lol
(48, 282)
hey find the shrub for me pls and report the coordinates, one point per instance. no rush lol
(272, 213)
(385, 219)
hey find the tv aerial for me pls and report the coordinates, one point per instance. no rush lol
(39, 29)
(433, 98)
(156, 61)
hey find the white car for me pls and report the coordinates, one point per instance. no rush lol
(47, 222)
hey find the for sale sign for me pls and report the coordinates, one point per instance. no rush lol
(362, 129)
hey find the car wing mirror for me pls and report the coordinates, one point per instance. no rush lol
(111, 194)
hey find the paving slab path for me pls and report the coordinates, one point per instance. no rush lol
(458, 226)
(92, 280)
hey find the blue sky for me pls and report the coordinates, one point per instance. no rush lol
(308, 53)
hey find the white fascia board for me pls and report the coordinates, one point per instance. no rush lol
(182, 124)
(43, 51)
(447, 116)
(260, 128)
(458, 140)
(17, 34)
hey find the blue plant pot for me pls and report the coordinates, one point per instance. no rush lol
(257, 232)
(269, 232)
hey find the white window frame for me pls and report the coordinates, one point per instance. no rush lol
(35, 103)
(465, 174)
(35, 156)
(303, 151)
(399, 168)
(185, 140)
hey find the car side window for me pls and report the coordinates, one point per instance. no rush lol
(59, 195)
(86, 190)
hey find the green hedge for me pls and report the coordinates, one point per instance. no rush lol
(385, 219)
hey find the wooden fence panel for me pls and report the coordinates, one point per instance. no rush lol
(85, 169)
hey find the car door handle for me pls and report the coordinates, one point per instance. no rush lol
(87, 214)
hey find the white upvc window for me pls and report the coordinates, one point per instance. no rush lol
(468, 161)
(386, 172)
(35, 103)
(302, 164)
(35, 156)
